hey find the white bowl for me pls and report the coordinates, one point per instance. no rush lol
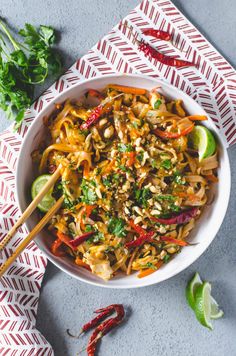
(206, 227)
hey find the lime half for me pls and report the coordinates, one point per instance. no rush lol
(191, 289)
(202, 140)
(202, 306)
(48, 201)
(216, 312)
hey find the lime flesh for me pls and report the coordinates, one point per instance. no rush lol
(216, 312)
(191, 289)
(48, 201)
(203, 141)
(202, 306)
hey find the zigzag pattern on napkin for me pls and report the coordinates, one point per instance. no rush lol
(212, 85)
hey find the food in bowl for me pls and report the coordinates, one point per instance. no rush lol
(135, 175)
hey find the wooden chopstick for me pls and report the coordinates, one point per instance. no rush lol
(31, 236)
(30, 208)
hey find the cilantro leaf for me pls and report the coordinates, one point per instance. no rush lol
(166, 164)
(122, 147)
(157, 104)
(116, 226)
(141, 196)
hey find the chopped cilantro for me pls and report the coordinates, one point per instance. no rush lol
(88, 195)
(122, 147)
(178, 178)
(167, 197)
(154, 163)
(88, 228)
(140, 156)
(151, 265)
(141, 196)
(116, 226)
(166, 164)
(175, 208)
(166, 258)
(157, 104)
(106, 181)
(99, 236)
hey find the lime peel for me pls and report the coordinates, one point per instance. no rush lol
(203, 141)
(48, 201)
(205, 307)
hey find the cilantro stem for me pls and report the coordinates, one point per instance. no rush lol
(15, 44)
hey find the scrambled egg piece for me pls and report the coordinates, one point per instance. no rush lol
(95, 258)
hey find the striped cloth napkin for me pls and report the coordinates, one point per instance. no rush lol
(212, 85)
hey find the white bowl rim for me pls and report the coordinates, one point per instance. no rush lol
(143, 282)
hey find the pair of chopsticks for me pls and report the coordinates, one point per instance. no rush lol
(33, 205)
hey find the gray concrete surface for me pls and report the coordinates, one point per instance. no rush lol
(159, 322)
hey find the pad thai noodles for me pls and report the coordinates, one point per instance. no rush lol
(132, 180)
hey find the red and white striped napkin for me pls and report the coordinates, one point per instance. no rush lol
(213, 86)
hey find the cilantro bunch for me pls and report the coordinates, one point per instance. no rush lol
(24, 65)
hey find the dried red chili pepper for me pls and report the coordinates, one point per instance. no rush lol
(105, 327)
(155, 54)
(158, 34)
(162, 58)
(80, 239)
(97, 112)
(94, 322)
(141, 240)
(180, 218)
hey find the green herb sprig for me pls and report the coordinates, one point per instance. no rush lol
(24, 65)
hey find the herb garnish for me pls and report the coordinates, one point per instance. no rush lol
(116, 226)
(141, 196)
(166, 164)
(27, 64)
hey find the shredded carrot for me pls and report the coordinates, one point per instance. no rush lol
(55, 248)
(148, 271)
(127, 90)
(64, 238)
(80, 263)
(86, 170)
(212, 178)
(185, 195)
(196, 117)
(174, 241)
(89, 209)
(109, 167)
(131, 159)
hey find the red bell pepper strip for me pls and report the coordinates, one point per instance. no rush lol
(137, 228)
(141, 240)
(174, 241)
(64, 238)
(80, 239)
(55, 248)
(93, 118)
(167, 134)
(180, 218)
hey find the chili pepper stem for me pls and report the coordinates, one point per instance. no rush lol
(74, 336)
(99, 336)
(135, 35)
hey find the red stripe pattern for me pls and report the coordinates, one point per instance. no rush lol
(212, 84)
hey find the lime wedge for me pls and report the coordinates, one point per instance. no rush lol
(216, 312)
(202, 140)
(191, 289)
(202, 306)
(48, 201)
